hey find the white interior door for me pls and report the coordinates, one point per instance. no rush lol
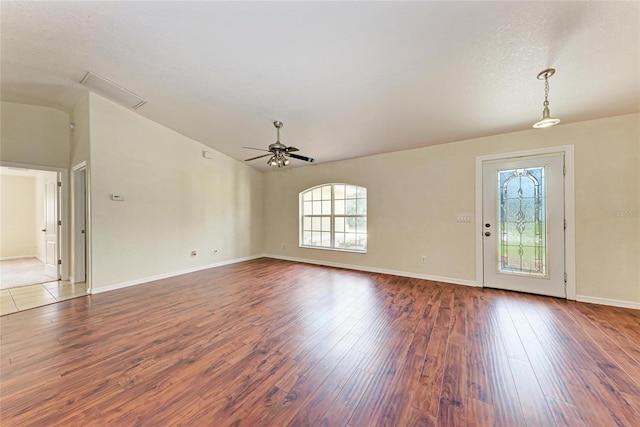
(523, 224)
(51, 229)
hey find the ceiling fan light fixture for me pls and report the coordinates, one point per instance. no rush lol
(279, 152)
(546, 120)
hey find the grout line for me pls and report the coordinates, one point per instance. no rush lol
(49, 292)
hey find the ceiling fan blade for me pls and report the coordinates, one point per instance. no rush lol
(257, 157)
(290, 149)
(299, 157)
(259, 149)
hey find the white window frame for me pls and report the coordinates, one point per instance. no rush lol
(332, 217)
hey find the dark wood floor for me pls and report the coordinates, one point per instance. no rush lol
(274, 343)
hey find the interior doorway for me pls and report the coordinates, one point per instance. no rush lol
(31, 224)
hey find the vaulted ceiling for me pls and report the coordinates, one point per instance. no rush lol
(348, 79)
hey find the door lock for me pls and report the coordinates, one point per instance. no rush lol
(487, 233)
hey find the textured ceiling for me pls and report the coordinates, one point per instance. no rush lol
(348, 79)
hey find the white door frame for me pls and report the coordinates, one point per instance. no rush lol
(79, 207)
(569, 210)
(63, 211)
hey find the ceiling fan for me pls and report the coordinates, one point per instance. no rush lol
(279, 152)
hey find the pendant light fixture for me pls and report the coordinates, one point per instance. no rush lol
(546, 120)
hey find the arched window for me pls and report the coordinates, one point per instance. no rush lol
(334, 216)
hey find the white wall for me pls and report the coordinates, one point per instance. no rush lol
(17, 216)
(413, 197)
(176, 201)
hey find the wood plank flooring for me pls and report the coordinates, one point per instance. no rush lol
(276, 343)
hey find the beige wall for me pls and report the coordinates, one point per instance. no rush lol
(34, 135)
(176, 201)
(414, 196)
(79, 150)
(18, 216)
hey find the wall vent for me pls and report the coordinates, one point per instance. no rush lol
(115, 92)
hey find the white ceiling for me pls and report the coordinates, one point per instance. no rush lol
(348, 79)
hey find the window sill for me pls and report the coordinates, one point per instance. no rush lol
(355, 251)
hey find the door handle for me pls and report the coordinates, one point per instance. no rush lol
(487, 233)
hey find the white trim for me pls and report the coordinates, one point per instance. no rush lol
(378, 270)
(607, 301)
(101, 289)
(65, 217)
(80, 167)
(569, 209)
(9, 258)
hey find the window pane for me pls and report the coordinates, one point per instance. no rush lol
(307, 208)
(338, 207)
(326, 223)
(339, 224)
(316, 223)
(306, 223)
(361, 224)
(306, 196)
(315, 238)
(326, 207)
(351, 224)
(317, 208)
(522, 247)
(351, 191)
(306, 238)
(326, 240)
(351, 207)
(317, 193)
(361, 192)
(338, 191)
(361, 241)
(326, 192)
(339, 240)
(362, 207)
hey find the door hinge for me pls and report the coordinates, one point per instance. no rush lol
(59, 262)
(59, 183)
(59, 222)
(565, 278)
(565, 224)
(564, 170)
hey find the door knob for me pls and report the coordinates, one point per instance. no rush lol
(487, 233)
(44, 229)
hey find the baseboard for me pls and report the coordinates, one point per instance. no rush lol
(101, 289)
(607, 301)
(379, 270)
(9, 258)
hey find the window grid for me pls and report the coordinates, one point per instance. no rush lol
(334, 216)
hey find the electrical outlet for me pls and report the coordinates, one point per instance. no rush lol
(423, 259)
(194, 253)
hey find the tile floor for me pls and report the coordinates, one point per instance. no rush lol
(26, 297)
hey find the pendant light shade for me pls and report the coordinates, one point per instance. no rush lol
(546, 120)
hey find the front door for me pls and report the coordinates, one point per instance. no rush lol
(51, 229)
(523, 224)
